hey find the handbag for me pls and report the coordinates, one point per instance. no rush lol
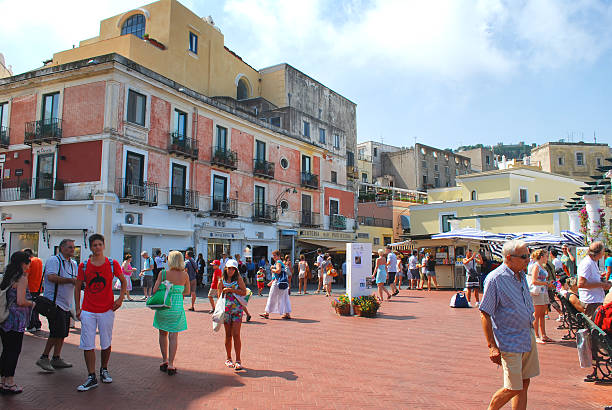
(218, 316)
(162, 298)
(4, 306)
(44, 305)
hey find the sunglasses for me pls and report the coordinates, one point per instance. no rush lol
(525, 256)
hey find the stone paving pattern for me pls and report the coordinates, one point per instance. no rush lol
(418, 353)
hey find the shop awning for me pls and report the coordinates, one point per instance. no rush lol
(333, 246)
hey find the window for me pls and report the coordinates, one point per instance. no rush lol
(473, 196)
(322, 135)
(276, 121)
(180, 123)
(260, 200)
(536, 198)
(306, 129)
(221, 138)
(306, 164)
(134, 173)
(44, 176)
(50, 108)
(284, 163)
(523, 195)
(219, 191)
(137, 105)
(560, 161)
(598, 161)
(179, 181)
(336, 141)
(386, 240)
(447, 171)
(350, 159)
(424, 164)
(242, 89)
(334, 207)
(334, 177)
(580, 159)
(436, 167)
(364, 177)
(437, 180)
(487, 160)
(3, 115)
(445, 225)
(424, 180)
(134, 25)
(193, 43)
(376, 241)
(260, 150)
(375, 151)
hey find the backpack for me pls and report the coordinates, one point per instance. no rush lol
(4, 307)
(459, 301)
(603, 318)
(156, 270)
(283, 281)
(109, 260)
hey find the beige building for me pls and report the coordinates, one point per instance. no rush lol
(482, 159)
(578, 160)
(5, 71)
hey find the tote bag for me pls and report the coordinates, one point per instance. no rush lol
(162, 299)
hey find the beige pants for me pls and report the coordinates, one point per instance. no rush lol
(520, 366)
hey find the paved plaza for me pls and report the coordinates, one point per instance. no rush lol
(418, 353)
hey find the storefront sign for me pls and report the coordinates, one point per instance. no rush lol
(2, 158)
(319, 234)
(288, 232)
(44, 150)
(222, 234)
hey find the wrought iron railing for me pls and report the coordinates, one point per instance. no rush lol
(337, 222)
(227, 208)
(182, 198)
(263, 168)
(5, 140)
(38, 132)
(310, 180)
(352, 172)
(41, 188)
(310, 219)
(181, 145)
(265, 212)
(370, 221)
(224, 157)
(142, 193)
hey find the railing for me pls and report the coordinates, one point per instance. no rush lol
(372, 194)
(363, 157)
(40, 188)
(352, 172)
(186, 199)
(145, 193)
(224, 157)
(5, 140)
(381, 222)
(38, 132)
(181, 145)
(263, 168)
(227, 208)
(310, 180)
(337, 222)
(265, 213)
(310, 219)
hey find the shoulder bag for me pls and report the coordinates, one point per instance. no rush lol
(44, 305)
(162, 298)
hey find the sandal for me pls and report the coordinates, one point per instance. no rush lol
(286, 317)
(238, 366)
(14, 389)
(248, 318)
(540, 341)
(171, 371)
(547, 339)
(163, 367)
(228, 363)
(265, 315)
(192, 309)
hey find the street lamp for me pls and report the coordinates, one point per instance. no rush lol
(283, 192)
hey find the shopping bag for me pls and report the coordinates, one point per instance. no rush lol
(162, 298)
(244, 300)
(583, 344)
(218, 316)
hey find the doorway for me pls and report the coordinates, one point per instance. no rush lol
(132, 244)
(44, 176)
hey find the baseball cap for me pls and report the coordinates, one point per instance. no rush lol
(232, 263)
(216, 262)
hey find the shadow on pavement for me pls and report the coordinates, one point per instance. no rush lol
(396, 317)
(252, 373)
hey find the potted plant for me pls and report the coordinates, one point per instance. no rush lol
(59, 192)
(342, 305)
(366, 306)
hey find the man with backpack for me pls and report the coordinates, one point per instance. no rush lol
(192, 270)
(158, 264)
(60, 275)
(147, 275)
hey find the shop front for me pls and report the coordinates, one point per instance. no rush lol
(219, 241)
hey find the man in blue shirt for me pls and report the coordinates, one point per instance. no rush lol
(507, 315)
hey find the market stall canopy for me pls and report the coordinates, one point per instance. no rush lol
(332, 246)
(470, 234)
(573, 238)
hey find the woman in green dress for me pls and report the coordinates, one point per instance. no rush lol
(171, 321)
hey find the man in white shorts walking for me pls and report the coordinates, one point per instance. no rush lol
(98, 310)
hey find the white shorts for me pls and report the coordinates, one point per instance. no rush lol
(327, 279)
(103, 322)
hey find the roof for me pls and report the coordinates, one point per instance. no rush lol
(569, 144)
(516, 170)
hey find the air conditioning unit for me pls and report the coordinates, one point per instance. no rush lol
(133, 218)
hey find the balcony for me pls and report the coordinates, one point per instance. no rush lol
(264, 169)
(380, 222)
(43, 131)
(136, 193)
(352, 172)
(310, 219)
(224, 157)
(265, 213)
(184, 199)
(227, 208)
(5, 140)
(310, 180)
(337, 222)
(182, 146)
(40, 188)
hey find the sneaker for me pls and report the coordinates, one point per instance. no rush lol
(477, 304)
(547, 317)
(105, 376)
(90, 383)
(560, 318)
(45, 364)
(59, 363)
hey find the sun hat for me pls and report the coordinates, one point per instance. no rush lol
(231, 264)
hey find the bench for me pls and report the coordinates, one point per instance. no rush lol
(602, 352)
(571, 320)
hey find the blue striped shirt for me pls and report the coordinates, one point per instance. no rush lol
(508, 302)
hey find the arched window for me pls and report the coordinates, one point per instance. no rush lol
(474, 196)
(134, 25)
(242, 89)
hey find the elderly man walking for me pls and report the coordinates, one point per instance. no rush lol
(507, 320)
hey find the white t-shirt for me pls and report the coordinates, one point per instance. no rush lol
(320, 261)
(392, 259)
(558, 265)
(588, 270)
(412, 262)
(424, 263)
(65, 291)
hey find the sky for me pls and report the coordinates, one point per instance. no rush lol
(443, 73)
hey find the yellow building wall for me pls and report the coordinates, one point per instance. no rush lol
(445, 194)
(213, 71)
(493, 188)
(273, 87)
(365, 167)
(375, 232)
